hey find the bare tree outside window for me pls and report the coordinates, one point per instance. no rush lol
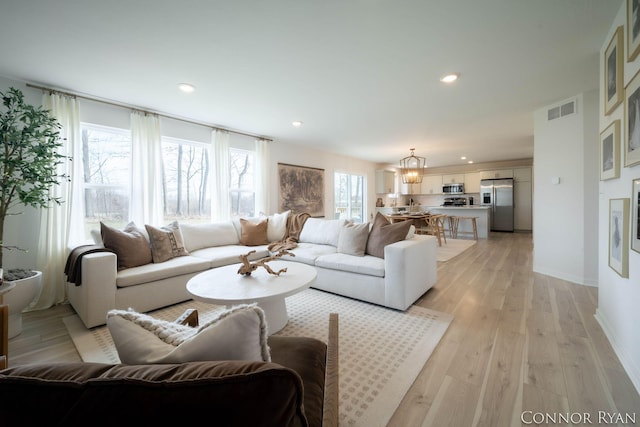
(187, 195)
(241, 182)
(106, 155)
(349, 197)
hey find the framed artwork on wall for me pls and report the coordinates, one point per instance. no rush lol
(632, 122)
(301, 189)
(633, 29)
(610, 151)
(619, 236)
(613, 70)
(635, 215)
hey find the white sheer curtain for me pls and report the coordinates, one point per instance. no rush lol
(61, 225)
(220, 186)
(145, 205)
(262, 176)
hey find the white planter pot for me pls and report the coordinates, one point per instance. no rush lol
(18, 298)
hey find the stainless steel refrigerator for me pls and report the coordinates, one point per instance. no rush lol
(498, 195)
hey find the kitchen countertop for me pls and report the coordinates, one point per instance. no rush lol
(482, 214)
(458, 207)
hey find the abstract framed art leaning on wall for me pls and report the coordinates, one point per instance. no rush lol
(610, 151)
(619, 236)
(635, 215)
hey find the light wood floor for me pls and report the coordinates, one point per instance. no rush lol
(520, 341)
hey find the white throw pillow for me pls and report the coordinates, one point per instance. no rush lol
(199, 236)
(277, 226)
(321, 231)
(353, 239)
(239, 333)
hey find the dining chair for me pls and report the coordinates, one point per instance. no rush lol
(431, 227)
(439, 227)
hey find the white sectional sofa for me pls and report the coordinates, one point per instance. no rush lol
(406, 272)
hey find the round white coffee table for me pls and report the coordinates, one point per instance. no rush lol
(223, 285)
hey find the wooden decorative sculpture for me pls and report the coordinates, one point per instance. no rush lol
(247, 267)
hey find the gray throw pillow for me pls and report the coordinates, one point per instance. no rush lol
(166, 242)
(353, 239)
(384, 233)
(130, 245)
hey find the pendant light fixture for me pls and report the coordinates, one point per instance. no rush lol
(412, 168)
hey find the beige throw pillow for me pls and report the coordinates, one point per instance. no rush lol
(353, 239)
(384, 233)
(277, 226)
(130, 245)
(253, 233)
(166, 242)
(239, 333)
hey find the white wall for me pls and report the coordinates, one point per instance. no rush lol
(331, 163)
(24, 230)
(618, 297)
(566, 149)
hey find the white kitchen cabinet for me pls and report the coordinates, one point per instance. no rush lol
(455, 178)
(522, 199)
(496, 173)
(409, 188)
(385, 182)
(431, 184)
(472, 182)
(522, 174)
(522, 205)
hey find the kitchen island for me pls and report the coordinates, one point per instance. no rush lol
(464, 228)
(483, 221)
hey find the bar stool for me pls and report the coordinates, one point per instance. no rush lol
(453, 226)
(439, 227)
(456, 222)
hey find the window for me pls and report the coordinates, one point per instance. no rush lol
(349, 197)
(106, 154)
(242, 182)
(186, 169)
(186, 172)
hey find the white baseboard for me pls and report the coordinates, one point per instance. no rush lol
(578, 280)
(627, 361)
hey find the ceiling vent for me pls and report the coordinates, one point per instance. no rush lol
(562, 110)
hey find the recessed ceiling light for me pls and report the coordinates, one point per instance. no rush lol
(463, 158)
(297, 123)
(186, 87)
(470, 161)
(450, 78)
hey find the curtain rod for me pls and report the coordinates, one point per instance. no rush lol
(131, 107)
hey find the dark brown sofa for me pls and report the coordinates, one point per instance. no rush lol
(299, 387)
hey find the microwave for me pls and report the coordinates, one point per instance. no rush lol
(453, 188)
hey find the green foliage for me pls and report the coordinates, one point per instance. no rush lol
(29, 156)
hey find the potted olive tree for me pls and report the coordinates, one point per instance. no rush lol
(29, 159)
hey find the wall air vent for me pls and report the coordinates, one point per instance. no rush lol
(563, 110)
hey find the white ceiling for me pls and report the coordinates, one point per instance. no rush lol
(363, 75)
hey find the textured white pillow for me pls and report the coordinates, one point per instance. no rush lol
(277, 226)
(321, 231)
(239, 333)
(353, 239)
(198, 236)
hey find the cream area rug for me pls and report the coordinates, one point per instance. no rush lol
(381, 351)
(453, 248)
